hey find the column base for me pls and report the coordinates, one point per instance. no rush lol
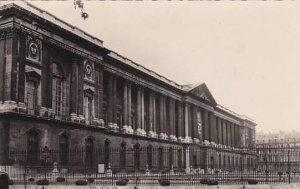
(43, 112)
(213, 144)
(173, 138)
(196, 141)
(21, 107)
(152, 134)
(187, 170)
(8, 106)
(188, 140)
(81, 119)
(206, 143)
(127, 129)
(180, 139)
(101, 122)
(163, 136)
(115, 127)
(97, 122)
(110, 126)
(130, 130)
(73, 117)
(140, 132)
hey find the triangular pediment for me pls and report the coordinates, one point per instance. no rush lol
(203, 92)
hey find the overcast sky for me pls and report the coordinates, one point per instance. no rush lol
(248, 53)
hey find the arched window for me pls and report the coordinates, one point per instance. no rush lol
(149, 156)
(106, 152)
(57, 89)
(123, 155)
(136, 156)
(89, 151)
(64, 149)
(33, 146)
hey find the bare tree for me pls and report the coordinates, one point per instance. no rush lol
(79, 4)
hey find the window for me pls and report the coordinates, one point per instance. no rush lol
(89, 151)
(57, 89)
(89, 105)
(123, 155)
(33, 147)
(32, 97)
(149, 156)
(106, 153)
(137, 157)
(64, 150)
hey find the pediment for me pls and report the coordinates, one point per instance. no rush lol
(203, 92)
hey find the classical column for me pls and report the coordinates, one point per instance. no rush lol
(220, 141)
(213, 129)
(100, 97)
(162, 117)
(190, 118)
(217, 129)
(95, 120)
(165, 117)
(224, 132)
(180, 122)
(114, 96)
(150, 114)
(186, 123)
(206, 125)
(10, 73)
(110, 102)
(143, 112)
(129, 126)
(228, 133)
(138, 111)
(21, 76)
(154, 115)
(232, 134)
(125, 107)
(196, 137)
(46, 78)
(172, 120)
(80, 92)
(73, 90)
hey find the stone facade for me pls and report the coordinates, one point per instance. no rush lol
(55, 79)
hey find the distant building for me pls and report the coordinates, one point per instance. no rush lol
(61, 89)
(278, 139)
(278, 152)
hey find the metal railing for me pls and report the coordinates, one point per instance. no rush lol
(146, 165)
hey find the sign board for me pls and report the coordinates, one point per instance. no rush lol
(101, 169)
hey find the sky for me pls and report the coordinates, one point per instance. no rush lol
(247, 53)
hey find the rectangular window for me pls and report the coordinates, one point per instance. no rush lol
(31, 92)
